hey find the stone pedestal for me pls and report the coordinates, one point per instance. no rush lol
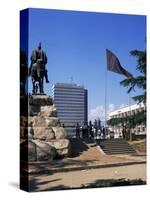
(42, 137)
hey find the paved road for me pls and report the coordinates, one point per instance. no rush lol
(77, 179)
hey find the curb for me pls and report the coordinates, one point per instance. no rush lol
(59, 170)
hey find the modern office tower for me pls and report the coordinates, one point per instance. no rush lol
(71, 101)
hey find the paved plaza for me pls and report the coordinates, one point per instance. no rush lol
(87, 167)
(88, 178)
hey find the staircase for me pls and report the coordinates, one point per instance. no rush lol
(116, 146)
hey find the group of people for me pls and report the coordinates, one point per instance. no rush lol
(90, 130)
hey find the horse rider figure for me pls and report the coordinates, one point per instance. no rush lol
(37, 69)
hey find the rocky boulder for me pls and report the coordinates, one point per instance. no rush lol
(49, 111)
(35, 150)
(45, 152)
(41, 121)
(62, 146)
(41, 136)
(43, 133)
(41, 100)
(60, 132)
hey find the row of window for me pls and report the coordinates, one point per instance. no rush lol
(67, 93)
(81, 99)
(71, 106)
(63, 103)
(136, 129)
(69, 97)
(70, 116)
(128, 113)
(73, 121)
(141, 129)
(67, 89)
(66, 112)
(62, 110)
(76, 99)
(70, 111)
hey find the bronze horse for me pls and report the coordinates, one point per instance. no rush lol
(38, 70)
(37, 76)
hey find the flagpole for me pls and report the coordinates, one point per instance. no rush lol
(105, 96)
(113, 64)
(130, 116)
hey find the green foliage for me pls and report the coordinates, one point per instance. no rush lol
(129, 121)
(23, 59)
(132, 83)
(139, 81)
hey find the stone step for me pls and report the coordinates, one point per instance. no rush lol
(117, 142)
(123, 144)
(125, 153)
(116, 146)
(118, 149)
(123, 150)
(111, 146)
(115, 149)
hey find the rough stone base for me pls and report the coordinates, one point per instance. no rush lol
(34, 150)
(42, 138)
(62, 146)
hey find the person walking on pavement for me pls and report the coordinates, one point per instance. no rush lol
(77, 131)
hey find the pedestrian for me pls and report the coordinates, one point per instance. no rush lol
(81, 132)
(90, 129)
(124, 133)
(84, 130)
(99, 133)
(77, 131)
(94, 132)
(104, 132)
(95, 128)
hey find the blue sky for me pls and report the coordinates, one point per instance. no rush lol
(76, 42)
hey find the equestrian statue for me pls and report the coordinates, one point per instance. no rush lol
(38, 70)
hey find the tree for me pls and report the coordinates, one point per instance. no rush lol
(139, 81)
(129, 121)
(131, 83)
(23, 72)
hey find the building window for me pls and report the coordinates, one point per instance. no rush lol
(138, 130)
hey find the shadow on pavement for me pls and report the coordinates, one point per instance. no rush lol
(96, 184)
(78, 146)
